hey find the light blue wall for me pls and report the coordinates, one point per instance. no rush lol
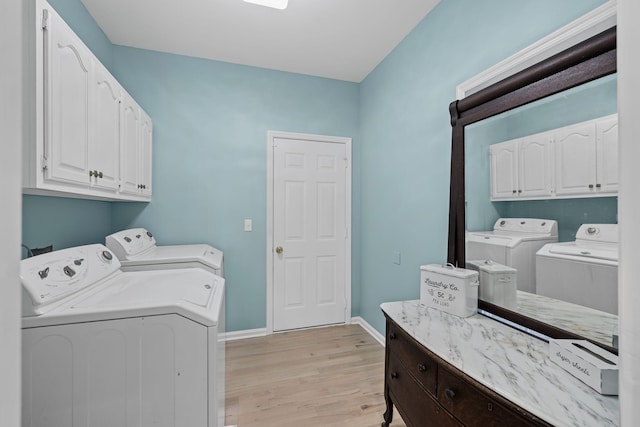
(406, 133)
(210, 123)
(209, 156)
(589, 101)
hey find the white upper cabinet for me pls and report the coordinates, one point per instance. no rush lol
(520, 168)
(67, 71)
(580, 160)
(86, 137)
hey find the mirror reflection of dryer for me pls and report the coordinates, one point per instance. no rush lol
(136, 249)
(125, 348)
(583, 272)
(513, 242)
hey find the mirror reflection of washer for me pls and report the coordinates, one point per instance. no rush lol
(125, 348)
(136, 249)
(583, 272)
(513, 242)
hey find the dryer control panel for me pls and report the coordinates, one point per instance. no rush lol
(128, 243)
(547, 227)
(53, 276)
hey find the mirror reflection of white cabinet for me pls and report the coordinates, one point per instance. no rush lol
(77, 119)
(580, 160)
(522, 168)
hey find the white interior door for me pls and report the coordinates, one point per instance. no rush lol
(310, 233)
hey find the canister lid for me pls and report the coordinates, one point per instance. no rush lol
(490, 266)
(449, 270)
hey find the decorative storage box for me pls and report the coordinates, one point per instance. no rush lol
(497, 282)
(450, 289)
(591, 364)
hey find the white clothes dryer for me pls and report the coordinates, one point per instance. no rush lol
(513, 242)
(107, 347)
(583, 272)
(136, 249)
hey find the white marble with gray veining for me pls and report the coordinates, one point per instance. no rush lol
(512, 363)
(587, 322)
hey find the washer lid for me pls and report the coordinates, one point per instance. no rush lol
(204, 254)
(595, 252)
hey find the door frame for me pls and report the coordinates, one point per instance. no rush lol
(271, 136)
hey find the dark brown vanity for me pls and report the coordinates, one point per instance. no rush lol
(443, 371)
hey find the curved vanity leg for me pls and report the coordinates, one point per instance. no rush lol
(388, 414)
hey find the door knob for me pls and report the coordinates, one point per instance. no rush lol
(279, 250)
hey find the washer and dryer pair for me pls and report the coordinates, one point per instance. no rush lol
(105, 346)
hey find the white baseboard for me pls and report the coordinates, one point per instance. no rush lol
(261, 332)
(370, 329)
(247, 333)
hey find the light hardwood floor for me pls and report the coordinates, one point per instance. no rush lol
(329, 377)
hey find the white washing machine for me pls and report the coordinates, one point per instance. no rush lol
(513, 242)
(103, 347)
(137, 250)
(583, 272)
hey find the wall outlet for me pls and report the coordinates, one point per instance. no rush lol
(395, 257)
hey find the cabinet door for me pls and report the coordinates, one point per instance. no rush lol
(67, 62)
(535, 166)
(146, 138)
(607, 155)
(129, 146)
(575, 154)
(504, 170)
(104, 125)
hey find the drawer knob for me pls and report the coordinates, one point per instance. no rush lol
(392, 336)
(422, 367)
(394, 374)
(450, 393)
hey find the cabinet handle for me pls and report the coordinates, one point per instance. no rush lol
(598, 185)
(90, 174)
(422, 367)
(514, 191)
(591, 186)
(100, 175)
(392, 336)
(450, 393)
(394, 375)
(519, 191)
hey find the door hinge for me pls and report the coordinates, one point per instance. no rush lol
(45, 19)
(44, 163)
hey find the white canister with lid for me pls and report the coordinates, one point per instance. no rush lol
(497, 282)
(450, 289)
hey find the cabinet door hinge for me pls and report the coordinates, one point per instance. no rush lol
(45, 19)
(44, 163)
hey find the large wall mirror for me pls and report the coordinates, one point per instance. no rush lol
(574, 86)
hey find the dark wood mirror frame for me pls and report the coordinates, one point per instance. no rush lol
(582, 63)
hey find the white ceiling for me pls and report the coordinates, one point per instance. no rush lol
(338, 39)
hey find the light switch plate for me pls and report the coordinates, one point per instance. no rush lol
(248, 225)
(395, 256)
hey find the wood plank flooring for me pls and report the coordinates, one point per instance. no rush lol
(329, 377)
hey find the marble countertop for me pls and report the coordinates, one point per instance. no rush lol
(511, 363)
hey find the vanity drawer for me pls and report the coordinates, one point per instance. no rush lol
(473, 406)
(423, 367)
(417, 407)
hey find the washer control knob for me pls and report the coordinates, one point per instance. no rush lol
(149, 234)
(127, 239)
(107, 255)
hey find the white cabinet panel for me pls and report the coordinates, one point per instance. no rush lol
(504, 170)
(129, 147)
(67, 108)
(104, 124)
(575, 148)
(607, 154)
(535, 166)
(146, 151)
